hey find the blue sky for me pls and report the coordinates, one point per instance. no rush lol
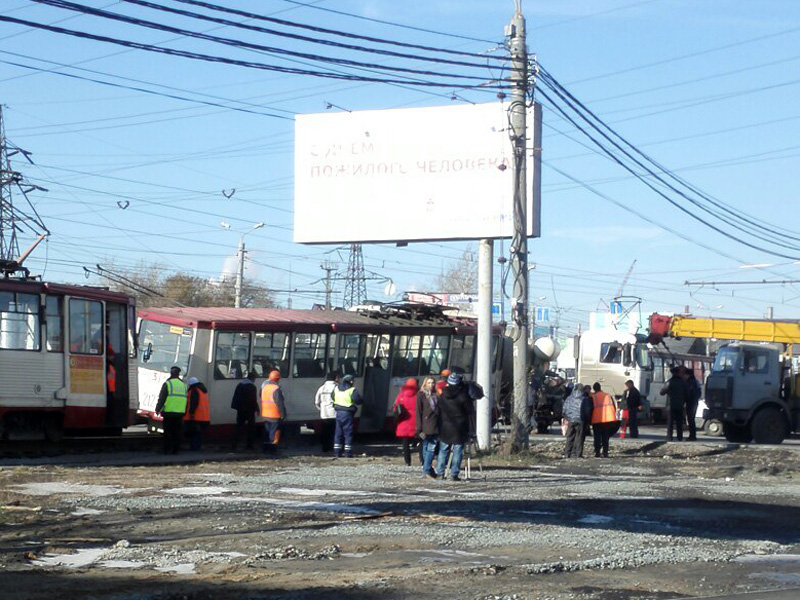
(707, 87)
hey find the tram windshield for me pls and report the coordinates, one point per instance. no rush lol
(163, 346)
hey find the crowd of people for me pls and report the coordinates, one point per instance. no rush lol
(435, 420)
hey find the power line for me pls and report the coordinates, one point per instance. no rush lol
(227, 61)
(250, 46)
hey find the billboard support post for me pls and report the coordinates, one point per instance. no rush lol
(483, 408)
(519, 245)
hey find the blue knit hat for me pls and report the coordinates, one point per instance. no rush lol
(454, 379)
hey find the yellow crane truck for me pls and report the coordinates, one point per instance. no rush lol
(752, 388)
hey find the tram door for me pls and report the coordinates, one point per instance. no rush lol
(117, 388)
(376, 383)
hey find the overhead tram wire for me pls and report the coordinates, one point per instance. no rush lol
(145, 91)
(606, 131)
(672, 201)
(242, 25)
(273, 50)
(229, 61)
(390, 23)
(150, 83)
(655, 176)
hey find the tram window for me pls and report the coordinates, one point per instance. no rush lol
(434, 354)
(309, 355)
(85, 327)
(19, 321)
(232, 355)
(377, 352)
(271, 351)
(351, 355)
(55, 325)
(463, 352)
(405, 359)
(163, 346)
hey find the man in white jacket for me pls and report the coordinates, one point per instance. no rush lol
(327, 414)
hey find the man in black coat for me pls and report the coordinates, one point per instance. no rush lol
(677, 393)
(245, 403)
(456, 409)
(633, 402)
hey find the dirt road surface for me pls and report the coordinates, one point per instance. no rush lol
(654, 521)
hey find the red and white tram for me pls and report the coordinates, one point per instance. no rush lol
(380, 347)
(67, 359)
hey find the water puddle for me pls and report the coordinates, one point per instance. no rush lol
(198, 491)
(309, 492)
(595, 520)
(305, 505)
(80, 559)
(62, 487)
(81, 512)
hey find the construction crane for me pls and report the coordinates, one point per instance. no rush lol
(752, 388)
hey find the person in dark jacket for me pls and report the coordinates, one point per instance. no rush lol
(245, 403)
(632, 400)
(693, 393)
(346, 401)
(428, 424)
(576, 430)
(676, 392)
(456, 410)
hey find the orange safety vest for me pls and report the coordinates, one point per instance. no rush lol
(202, 413)
(604, 410)
(269, 410)
(111, 379)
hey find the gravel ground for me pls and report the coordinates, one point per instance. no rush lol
(654, 521)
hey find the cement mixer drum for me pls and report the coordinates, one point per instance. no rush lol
(546, 349)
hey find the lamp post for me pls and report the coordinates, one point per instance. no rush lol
(240, 255)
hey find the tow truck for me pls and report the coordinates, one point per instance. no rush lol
(752, 388)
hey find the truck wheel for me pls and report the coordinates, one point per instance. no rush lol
(713, 427)
(738, 434)
(769, 426)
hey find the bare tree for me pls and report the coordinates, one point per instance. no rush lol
(461, 276)
(152, 285)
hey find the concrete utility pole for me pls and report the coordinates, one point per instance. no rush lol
(240, 254)
(239, 274)
(519, 245)
(328, 267)
(483, 406)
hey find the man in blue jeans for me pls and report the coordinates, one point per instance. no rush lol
(428, 424)
(456, 410)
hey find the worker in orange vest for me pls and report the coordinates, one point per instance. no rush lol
(604, 420)
(273, 411)
(198, 412)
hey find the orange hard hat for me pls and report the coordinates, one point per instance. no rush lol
(445, 372)
(274, 374)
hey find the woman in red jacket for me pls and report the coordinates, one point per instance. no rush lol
(405, 411)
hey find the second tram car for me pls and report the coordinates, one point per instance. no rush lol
(380, 347)
(67, 359)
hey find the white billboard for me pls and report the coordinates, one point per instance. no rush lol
(439, 173)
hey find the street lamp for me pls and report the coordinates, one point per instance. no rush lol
(240, 255)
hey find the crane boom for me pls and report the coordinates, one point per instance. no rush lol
(750, 330)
